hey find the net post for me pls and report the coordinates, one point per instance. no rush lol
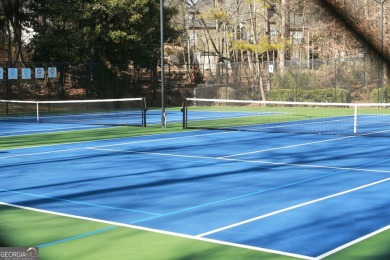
(355, 120)
(37, 112)
(184, 111)
(163, 114)
(144, 109)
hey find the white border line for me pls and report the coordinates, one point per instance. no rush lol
(94, 147)
(158, 231)
(51, 131)
(223, 158)
(353, 242)
(290, 208)
(289, 146)
(116, 138)
(240, 160)
(198, 237)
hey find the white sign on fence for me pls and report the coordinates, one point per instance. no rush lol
(271, 68)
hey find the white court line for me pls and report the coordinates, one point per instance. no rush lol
(352, 242)
(39, 131)
(104, 140)
(102, 148)
(154, 140)
(159, 231)
(290, 208)
(189, 156)
(161, 139)
(240, 160)
(276, 125)
(149, 141)
(225, 158)
(289, 146)
(310, 166)
(203, 157)
(42, 153)
(51, 131)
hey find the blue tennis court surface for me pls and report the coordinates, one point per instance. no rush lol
(299, 195)
(92, 121)
(17, 129)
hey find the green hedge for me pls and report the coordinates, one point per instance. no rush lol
(317, 95)
(385, 93)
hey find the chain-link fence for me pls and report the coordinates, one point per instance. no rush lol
(348, 80)
(70, 81)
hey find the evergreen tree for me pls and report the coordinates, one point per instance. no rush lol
(115, 31)
(105, 36)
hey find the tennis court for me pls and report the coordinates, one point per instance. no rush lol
(274, 195)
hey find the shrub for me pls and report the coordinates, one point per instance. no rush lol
(326, 95)
(384, 95)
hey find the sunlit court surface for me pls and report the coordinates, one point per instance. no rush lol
(214, 193)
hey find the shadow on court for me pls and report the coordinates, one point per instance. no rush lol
(3, 240)
(3, 243)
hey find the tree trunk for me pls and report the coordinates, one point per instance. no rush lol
(283, 24)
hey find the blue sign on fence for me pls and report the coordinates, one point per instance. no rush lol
(26, 73)
(52, 72)
(39, 73)
(12, 73)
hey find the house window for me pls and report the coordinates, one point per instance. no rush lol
(193, 39)
(295, 56)
(297, 37)
(342, 55)
(273, 34)
(244, 35)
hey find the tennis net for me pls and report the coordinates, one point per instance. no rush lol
(287, 117)
(128, 111)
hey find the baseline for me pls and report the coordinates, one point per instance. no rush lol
(158, 231)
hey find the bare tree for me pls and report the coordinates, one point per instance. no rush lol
(365, 17)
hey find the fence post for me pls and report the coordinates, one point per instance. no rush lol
(335, 78)
(227, 79)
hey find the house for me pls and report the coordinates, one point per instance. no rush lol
(213, 26)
